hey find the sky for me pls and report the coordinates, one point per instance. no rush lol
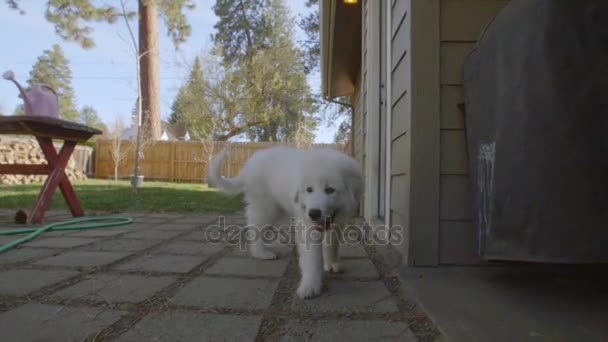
(104, 77)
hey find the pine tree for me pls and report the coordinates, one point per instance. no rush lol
(19, 109)
(256, 41)
(311, 45)
(342, 135)
(310, 24)
(189, 95)
(71, 18)
(88, 116)
(241, 29)
(191, 108)
(53, 68)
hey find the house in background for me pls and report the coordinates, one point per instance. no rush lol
(168, 132)
(401, 63)
(174, 131)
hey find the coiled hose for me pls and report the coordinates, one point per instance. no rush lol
(81, 223)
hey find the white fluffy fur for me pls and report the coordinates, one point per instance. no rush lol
(284, 182)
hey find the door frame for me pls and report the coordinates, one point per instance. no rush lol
(378, 14)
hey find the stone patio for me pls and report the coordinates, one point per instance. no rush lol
(161, 279)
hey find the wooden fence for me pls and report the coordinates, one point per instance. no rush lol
(179, 161)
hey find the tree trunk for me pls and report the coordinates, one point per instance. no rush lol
(149, 68)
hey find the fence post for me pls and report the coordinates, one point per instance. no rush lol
(172, 160)
(230, 162)
(97, 150)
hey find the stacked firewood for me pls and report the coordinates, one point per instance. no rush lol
(27, 151)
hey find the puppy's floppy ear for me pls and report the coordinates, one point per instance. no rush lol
(353, 183)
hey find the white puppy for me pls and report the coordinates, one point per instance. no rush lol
(318, 188)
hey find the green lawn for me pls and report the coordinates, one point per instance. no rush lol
(110, 196)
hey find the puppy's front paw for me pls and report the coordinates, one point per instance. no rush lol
(333, 268)
(308, 290)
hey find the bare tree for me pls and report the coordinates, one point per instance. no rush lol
(302, 137)
(210, 146)
(119, 150)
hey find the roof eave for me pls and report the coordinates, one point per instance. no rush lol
(339, 67)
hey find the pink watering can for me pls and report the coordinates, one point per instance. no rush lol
(40, 100)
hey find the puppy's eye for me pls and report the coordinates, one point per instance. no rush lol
(309, 189)
(329, 190)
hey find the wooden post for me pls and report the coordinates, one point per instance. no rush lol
(229, 164)
(97, 150)
(172, 160)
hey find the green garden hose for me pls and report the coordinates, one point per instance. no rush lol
(75, 224)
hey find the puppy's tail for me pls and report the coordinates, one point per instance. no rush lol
(214, 177)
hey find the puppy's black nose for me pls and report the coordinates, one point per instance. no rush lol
(314, 214)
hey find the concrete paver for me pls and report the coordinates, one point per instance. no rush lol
(163, 216)
(121, 245)
(248, 267)
(189, 248)
(59, 242)
(137, 225)
(22, 282)
(357, 268)
(346, 330)
(201, 235)
(175, 226)
(195, 327)
(151, 220)
(6, 239)
(232, 220)
(152, 234)
(168, 298)
(113, 288)
(99, 232)
(281, 250)
(350, 296)
(196, 219)
(162, 263)
(352, 251)
(82, 259)
(243, 294)
(25, 254)
(39, 322)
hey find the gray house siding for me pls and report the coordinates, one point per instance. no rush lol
(400, 124)
(429, 184)
(424, 132)
(363, 90)
(461, 23)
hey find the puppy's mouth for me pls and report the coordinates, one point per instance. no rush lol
(325, 223)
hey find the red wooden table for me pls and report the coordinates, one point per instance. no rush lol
(45, 129)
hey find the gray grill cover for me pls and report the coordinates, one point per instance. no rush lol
(536, 99)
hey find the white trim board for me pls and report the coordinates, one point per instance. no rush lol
(372, 108)
(389, 107)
